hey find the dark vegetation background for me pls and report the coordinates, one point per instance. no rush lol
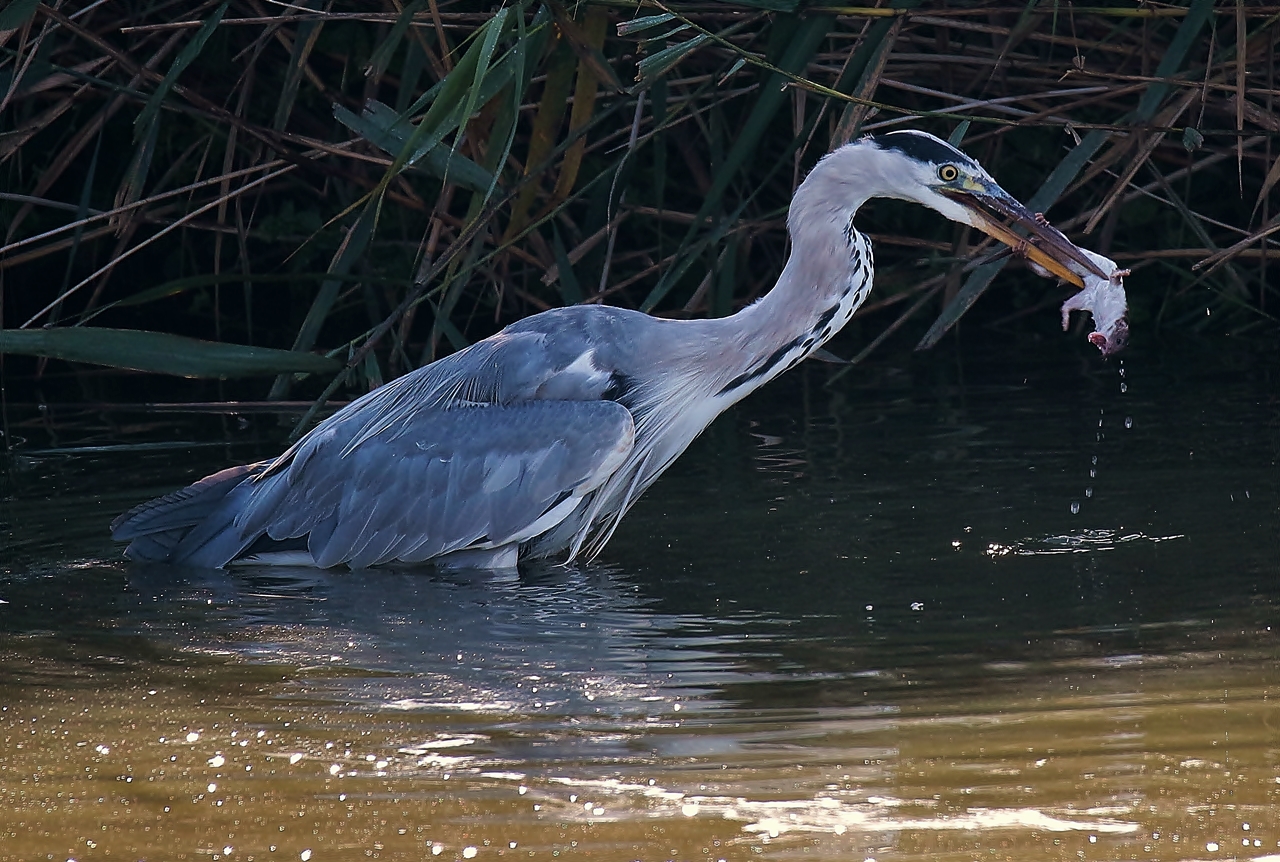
(327, 194)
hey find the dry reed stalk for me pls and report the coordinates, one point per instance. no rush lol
(481, 160)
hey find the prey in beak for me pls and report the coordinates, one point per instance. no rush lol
(999, 215)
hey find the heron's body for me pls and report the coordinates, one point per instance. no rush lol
(537, 439)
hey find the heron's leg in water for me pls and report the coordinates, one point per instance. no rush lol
(276, 558)
(492, 558)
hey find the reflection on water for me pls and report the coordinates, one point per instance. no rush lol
(1083, 542)
(553, 640)
(860, 624)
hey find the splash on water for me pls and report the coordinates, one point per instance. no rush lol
(1082, 542)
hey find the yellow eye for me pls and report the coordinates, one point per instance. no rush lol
(948, 173)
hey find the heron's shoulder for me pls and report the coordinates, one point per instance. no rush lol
(605, 336)
(575, 321)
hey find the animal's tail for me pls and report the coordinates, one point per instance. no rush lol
(154, 529)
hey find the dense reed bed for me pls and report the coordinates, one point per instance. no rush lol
(336, 192)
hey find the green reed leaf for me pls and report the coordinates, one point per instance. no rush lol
(159, 352)
(151, 110)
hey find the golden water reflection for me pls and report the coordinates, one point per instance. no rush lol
(856, 624)
(189, 755)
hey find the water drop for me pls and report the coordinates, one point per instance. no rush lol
(1124, 387)
(1094, 460)
(1088, 492)
(1075, 507)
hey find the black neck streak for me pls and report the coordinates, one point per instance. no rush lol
(802, 345)
(803, 342)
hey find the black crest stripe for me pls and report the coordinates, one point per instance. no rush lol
(923, 148)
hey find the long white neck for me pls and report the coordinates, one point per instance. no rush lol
(826, 278)
(715, 363)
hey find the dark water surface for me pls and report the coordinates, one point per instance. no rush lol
(990, 609)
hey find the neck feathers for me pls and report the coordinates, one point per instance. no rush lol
(826, 278)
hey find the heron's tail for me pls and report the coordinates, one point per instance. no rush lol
(155, 528)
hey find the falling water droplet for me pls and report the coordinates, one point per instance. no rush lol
(1124, 387)
(1093, 472)
(1128, 421)
(1088, 492)
(1095, 460)
(1122, 368)
(1075, 507)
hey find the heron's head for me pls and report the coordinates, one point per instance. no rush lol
(919, 167)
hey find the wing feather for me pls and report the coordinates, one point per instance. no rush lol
(548, 359)
(466, 477)
(484, 446)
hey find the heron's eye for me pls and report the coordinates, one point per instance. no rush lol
(948, 173)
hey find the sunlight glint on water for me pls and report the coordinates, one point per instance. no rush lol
(849, 625)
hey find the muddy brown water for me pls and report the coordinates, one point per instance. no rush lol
(894, 620)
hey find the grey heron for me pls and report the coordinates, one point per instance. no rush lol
(538, 439)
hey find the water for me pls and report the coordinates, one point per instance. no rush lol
(860, 624)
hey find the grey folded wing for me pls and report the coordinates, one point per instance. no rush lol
(441, 480)
(154, 528)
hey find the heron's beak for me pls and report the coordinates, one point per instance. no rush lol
(990, 206)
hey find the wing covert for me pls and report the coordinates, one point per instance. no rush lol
(555, 355)
(478, 476)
